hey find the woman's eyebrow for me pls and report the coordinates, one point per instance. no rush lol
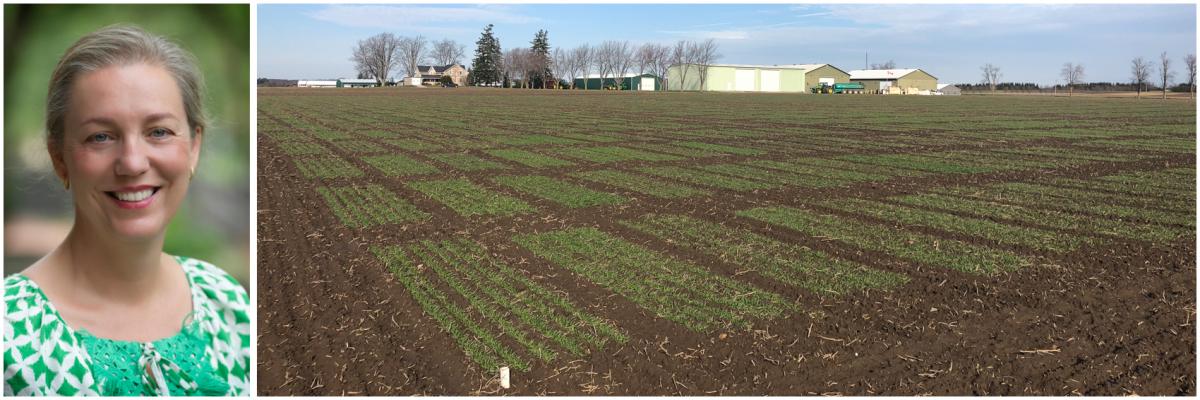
(160, 116)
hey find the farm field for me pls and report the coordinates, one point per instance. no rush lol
(415, 241)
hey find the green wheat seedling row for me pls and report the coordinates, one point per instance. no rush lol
(774, 177)
(289, 135)
(528, 158)
(1156, 179)
(1075, 204)
(531, 140)
(458, 143)
(358, 146)
(396, 165)
(999, 163)
(675, 150)
(479, 344)
(982, 228)
(607, 154)
(469, 199)
(1047, 218)
(858, 167)
(370, 205)
(326, 167)
(787, 263)
(699, 177)
(572, 196)
(827, 173)
(918, 247)
(681, 292)
(330, 135)
(1184, 205)
(380, 134)
(917, 162)
(1179, 145)
(594, 137)
(726, 149)
(414, 145)
(467, 162)
(296, 148)
(1065, 154)
(1140, 188)
(548, 312)
(640, 184)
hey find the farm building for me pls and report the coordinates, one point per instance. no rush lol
(909, 81)
(815, 74)
(353, 83)
(317, 84)
(948, 89)
(737, 78)
(627, 82)
(432, 74)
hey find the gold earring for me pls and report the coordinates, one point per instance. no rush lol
(66, 184)
(193, 176)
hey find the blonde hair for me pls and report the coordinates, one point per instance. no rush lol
(123, 44)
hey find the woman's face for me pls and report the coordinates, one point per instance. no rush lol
(126, 150)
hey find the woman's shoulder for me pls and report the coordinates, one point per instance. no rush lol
(216, 284)
(23, 297)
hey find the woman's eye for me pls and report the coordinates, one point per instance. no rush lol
(160, 133)
(100, 138)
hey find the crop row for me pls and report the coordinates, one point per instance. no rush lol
(640, 184)
(572, 196)
(469, 199)
(369, 205)
(784, 262)
(679, 291)
(914, 246)
(1051, 198)
(496, 302)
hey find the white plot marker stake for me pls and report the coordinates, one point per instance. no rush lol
(504, 382)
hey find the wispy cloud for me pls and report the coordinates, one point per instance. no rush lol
(702, 34)
(425, 18)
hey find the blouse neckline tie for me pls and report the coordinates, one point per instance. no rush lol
(158, 372)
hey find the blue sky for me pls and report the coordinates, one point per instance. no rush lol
(951, 41)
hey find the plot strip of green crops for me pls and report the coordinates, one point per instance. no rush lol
(567, 194)
(1048, 218)
(469, 199)
(326, 167)
(784, 262)
(685, 293)
(528, 158)
(640, 184)
(478, 300)
(918, 247)
(1001, 233)
(467, 162)
(1085, 204)
(370, 205)
(397, 165)
(700, 177)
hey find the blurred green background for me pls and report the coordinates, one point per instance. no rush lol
(214, 222)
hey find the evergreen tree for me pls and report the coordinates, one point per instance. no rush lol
(485, 67)
(540, 75)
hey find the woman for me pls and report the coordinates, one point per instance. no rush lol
(107, 312)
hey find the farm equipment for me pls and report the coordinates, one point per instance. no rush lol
(839, 88)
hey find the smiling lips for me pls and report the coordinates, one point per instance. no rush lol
(134, 198)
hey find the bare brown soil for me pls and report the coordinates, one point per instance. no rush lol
(1116, 319)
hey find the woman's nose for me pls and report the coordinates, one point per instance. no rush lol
(133, 160)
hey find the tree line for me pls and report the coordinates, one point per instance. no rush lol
(378, 56)
(1144, 76)
(536, 66)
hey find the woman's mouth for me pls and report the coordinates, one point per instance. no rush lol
(133, 199)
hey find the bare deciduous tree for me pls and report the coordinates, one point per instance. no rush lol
(1190, 63)
(376, 56)
(991, 75)
(1141, 74)
(704, 53)
(679, 57)
(1164, 69)
(516, 66)
(560, 65)
(614, 58)
(412, 52)
(1073, 74)
(660, 60)
(446, 52)
(581, 63)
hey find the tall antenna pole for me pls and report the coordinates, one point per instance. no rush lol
(866, 57)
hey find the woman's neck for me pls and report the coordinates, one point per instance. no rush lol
(124, 271)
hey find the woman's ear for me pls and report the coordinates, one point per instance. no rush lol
(197, 139)
(56, 159)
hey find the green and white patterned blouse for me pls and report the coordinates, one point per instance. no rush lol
(210, 356)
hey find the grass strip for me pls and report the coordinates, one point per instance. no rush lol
(528, 158)
(572, 196)
(640, 184)
(469, 199)
(700, 177)
(370, 205)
